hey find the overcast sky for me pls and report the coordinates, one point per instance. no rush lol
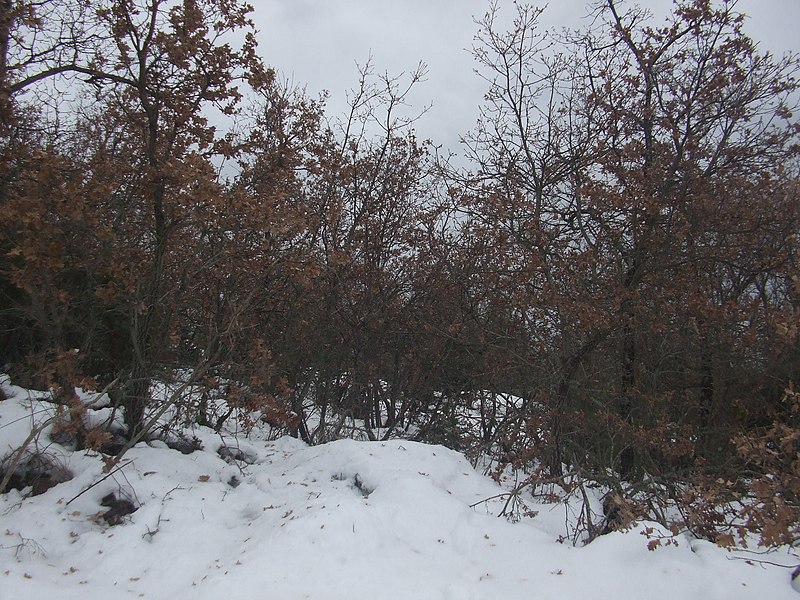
(317, 43)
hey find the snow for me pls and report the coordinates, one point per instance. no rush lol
(343, 520)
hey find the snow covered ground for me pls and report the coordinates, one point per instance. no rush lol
(344, 520)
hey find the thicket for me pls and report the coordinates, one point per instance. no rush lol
(620, 255)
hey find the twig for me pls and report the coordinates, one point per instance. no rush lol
(485, 500)
(762, 562)
(99, 481)
(153, 532)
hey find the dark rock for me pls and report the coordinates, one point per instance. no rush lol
(231, 455)
(117, 509)
(37, 471)
(183, 444)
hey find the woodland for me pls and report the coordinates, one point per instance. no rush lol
(618, 251)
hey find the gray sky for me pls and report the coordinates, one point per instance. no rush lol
(317, 43)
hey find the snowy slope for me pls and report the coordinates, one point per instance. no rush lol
(345, 520)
